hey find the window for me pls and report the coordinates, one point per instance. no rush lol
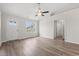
(30, 26)
(12, 23)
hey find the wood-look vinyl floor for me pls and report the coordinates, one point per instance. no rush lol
(39, 47)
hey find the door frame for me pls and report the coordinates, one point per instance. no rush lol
(55, 29)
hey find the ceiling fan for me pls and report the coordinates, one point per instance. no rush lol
(40, 12)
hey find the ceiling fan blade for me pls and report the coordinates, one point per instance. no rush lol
(42, 15)
(45, 12)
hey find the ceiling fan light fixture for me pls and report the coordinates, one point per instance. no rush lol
(40, 12)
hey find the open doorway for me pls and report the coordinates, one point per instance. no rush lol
(58, 29)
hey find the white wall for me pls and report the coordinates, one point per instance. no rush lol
(17, 32)
(71, 25)
(46, 27)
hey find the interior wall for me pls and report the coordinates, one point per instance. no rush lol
(46, 29)
(71, 25)
(18, 32)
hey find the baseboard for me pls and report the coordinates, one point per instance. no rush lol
(28, 37)
(47, 37)
(18, 39)
(72, 42)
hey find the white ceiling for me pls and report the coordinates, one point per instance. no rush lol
(29, 9)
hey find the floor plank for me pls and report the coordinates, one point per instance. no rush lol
(39, 47)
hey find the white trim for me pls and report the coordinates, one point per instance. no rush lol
(18, 39)
(71, 42)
